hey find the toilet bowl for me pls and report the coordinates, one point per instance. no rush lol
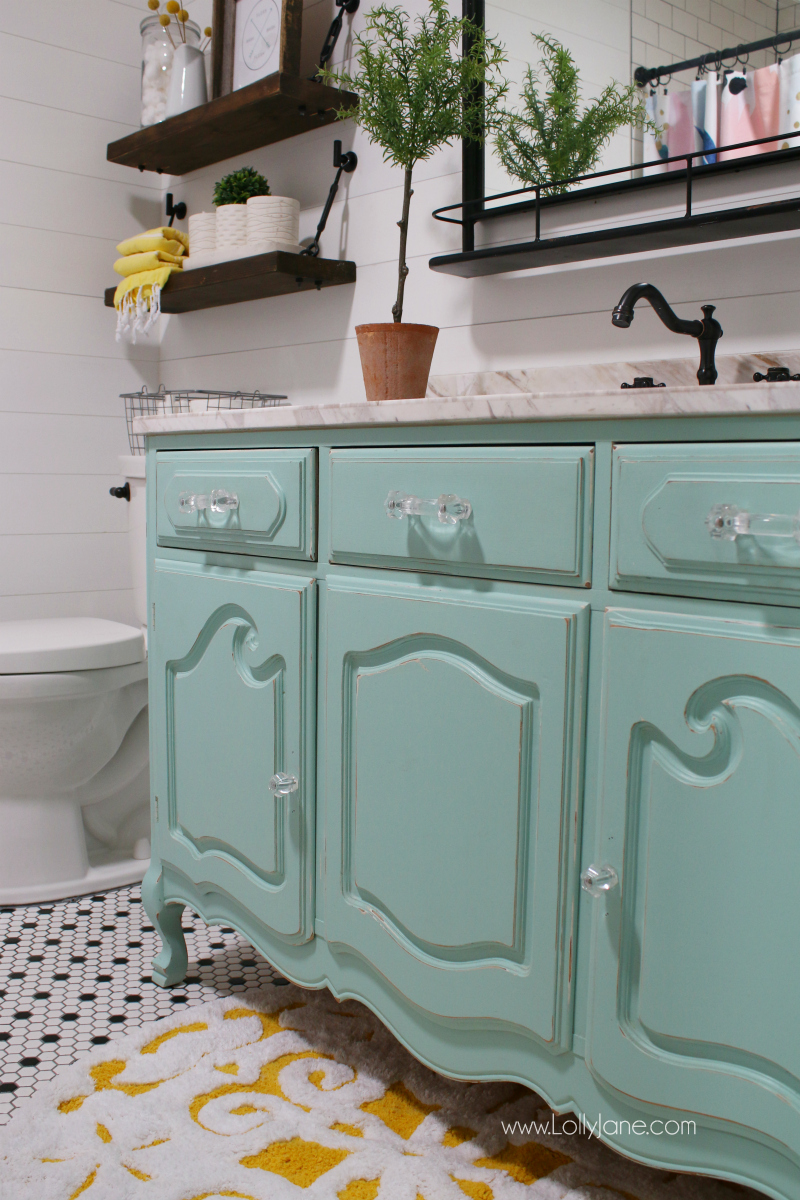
(74, 763)
(73, 738)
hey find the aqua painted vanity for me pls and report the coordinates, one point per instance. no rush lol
(387, 747)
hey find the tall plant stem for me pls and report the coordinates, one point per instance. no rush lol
(402, 269)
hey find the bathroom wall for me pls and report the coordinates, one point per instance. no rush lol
(788, 15)
(667, 31)
(305, 345)
(70, 83)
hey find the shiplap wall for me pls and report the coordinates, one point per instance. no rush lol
(305, 345)
(69, 83)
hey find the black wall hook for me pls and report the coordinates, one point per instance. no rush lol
(175, 210)
(347, 161)
(343, 162)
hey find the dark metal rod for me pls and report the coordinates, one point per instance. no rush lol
(655, 162)
(645, 75)
(538, 212)
(689, 163)
(473, 160)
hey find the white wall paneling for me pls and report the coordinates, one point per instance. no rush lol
(70, 84)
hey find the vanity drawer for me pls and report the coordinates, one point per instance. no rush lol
(240, 501)
(531, 511)
(661, 500)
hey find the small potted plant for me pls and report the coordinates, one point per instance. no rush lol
(231, 195)
(417, 92)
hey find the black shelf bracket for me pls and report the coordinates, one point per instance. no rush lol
(332, 36)
(346, 163)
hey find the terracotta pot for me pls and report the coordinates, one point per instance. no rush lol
(396, 359)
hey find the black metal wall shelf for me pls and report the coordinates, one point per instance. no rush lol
(692, 228)
(630, 239)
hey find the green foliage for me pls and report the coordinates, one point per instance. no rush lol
(416, 91)
(239, 186)
(550, 139)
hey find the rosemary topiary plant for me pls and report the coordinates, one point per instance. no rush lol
(550, 139)
(417, 92)
(239, 186)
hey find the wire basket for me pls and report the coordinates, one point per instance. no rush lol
(164, 403)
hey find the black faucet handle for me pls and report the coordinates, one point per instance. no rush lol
(642, 381)
(777, 375)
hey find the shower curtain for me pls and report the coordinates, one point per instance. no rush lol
(740, 107)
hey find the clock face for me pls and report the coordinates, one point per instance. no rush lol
(258, 33)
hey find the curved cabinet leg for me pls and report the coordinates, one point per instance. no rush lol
(169, 967)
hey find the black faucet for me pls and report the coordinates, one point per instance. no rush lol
(708, 331)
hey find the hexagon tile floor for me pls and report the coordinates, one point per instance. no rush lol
(75, 972)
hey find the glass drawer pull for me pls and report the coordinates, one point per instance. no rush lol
(726, 522)
(598, 880)
(282, 784)
(218, 501)
(448, 509)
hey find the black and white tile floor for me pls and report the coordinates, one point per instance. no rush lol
(76, 973)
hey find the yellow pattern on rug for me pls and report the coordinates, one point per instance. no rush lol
(283, 1094)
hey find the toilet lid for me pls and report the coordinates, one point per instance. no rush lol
(67, 644)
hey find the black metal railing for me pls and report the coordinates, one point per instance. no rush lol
(475, 210)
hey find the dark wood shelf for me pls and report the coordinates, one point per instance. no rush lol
(254, 278)
(270, 110)
(630, 239)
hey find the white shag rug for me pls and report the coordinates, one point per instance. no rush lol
(281, 1094)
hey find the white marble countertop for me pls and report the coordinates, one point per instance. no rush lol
(686, 401)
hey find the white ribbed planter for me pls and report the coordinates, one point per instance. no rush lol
(231, 226)
(273, 218)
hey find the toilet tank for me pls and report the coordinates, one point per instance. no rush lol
(132, 466)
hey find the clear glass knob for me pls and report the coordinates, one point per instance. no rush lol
(282, 784)
(726, 522)
(597, 880)
(220, 500)
(189, 502)
(447, 508)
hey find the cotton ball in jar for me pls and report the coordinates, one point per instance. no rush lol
(156, 71)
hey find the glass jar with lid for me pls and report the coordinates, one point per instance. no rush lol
(158, 48)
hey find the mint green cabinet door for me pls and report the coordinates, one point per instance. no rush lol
(696, 955)
(232, 665)
(454, 743)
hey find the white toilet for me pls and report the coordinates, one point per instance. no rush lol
(74, 767)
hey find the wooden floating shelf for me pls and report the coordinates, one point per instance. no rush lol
(275, 274)
(270, 110)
